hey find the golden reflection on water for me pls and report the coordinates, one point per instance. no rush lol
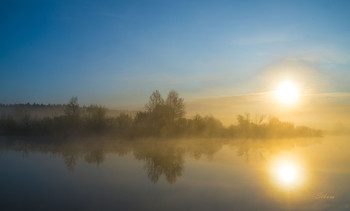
(279, 174)
(287, 171)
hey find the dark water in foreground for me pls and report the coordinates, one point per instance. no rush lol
(286, 174)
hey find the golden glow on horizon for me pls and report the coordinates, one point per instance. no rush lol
(287, 93)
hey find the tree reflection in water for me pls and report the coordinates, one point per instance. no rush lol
(161, 157)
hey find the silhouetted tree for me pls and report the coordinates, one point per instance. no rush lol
(97, 117)
(176, 105)
(155, 100)
(73, 109)
(96, 112)
(123, 124)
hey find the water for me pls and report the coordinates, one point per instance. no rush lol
(156, 174)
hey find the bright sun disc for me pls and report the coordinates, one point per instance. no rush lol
(287, 93)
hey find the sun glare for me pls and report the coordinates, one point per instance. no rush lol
(287, 93)
(287, 173)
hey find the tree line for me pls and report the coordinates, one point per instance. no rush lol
(160, 118)
(31, 105)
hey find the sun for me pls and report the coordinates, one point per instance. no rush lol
(287, 93)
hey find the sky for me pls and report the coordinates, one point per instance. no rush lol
(117, 52)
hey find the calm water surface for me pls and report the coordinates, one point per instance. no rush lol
(200, 174)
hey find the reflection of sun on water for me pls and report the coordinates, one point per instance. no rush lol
(287, 172)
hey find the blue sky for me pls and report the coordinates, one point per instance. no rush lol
(117, 52)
